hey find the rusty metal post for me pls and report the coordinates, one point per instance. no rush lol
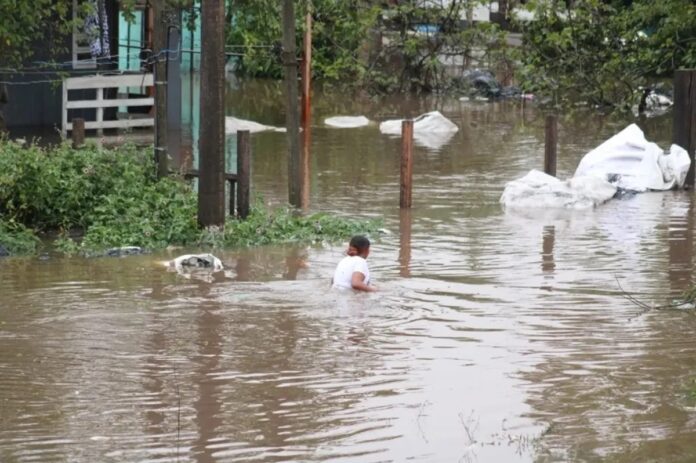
(243, 173)
(551, 144)
(406, 164)
(405, 222)
(684, 122)
(78, 132)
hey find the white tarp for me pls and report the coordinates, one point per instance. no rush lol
(431, 130)
(632, 163)
(347, 122)
(539, 190)
(233, 125)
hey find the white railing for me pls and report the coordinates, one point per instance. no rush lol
(99, 83)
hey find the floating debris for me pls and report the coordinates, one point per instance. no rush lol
(125, 251)
(191, 262)
(347, 122)
(233, 125)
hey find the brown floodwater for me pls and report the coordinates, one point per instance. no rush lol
(496, 336)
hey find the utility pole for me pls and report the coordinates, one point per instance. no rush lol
(292, 117)
(211, 185)
(159, 46)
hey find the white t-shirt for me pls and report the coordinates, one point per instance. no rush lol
(345, 269)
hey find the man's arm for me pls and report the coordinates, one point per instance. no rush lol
(357, 281)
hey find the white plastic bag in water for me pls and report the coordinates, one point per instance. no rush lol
(431, 122)
(233, 125)
(539, 190)
(633, 163)
(430, 130)
(347, 122)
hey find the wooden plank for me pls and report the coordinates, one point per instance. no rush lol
(110, 103)
(99, 81)
(120, 124)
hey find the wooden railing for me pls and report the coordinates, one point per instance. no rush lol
(100, 83)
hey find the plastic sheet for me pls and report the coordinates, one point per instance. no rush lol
(632, 163)
(347, 122)
(431, 130)
(233, 125)
(539, 190)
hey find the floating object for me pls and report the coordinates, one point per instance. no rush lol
(233, 125)
(191, 262)
(632, 163)
(433, 122)
(540, 190)
(347, 122)
(625, 163)
(431, 130)
(125, 251)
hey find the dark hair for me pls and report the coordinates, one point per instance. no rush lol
(359, 243)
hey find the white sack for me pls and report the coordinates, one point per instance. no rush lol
(432, 122)
(431, 130)
(233, 125)
(539, 190)
(631, 162)
(347, 122)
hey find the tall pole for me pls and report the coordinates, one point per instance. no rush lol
(292, 116)
(684, 124)
(211, 186)
(305, 165)
(159, 44)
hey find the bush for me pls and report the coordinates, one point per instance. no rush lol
(281, 226)
(114, 198)
(17, 239)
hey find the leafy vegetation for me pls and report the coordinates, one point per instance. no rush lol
(17, 239)
(367, 44)
(281, 226)
(605, 53)
(113, 198)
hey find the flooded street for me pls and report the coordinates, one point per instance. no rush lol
(496, 336)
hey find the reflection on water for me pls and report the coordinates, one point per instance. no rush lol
(496, 336)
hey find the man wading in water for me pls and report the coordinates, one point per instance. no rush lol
(352, 271)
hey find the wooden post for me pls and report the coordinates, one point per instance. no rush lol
(78, 132)
(305, 164)
(292, 116)
(684, 122)
(211, 186)
(405, 221)
(243, 172)
(550, 146)
(159, 44)
(406, 164)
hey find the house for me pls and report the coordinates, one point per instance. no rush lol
(122, 44)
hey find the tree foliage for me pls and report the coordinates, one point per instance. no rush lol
(25, 23)
(606, 53)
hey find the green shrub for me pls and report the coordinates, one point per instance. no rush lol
(16, 238)
(264, 226)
